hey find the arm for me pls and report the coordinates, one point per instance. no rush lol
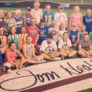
(37, 36)
(77, 39)
(18, 52)
(90, 47)
(33, 51)
(66, 21)
(80, 48)
(24, 21)
(24, 51)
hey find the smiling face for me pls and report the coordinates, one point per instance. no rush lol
(89, 12)
(76, 9)
(49, 40)
(60, 8)
(23, 29)
(37, 5)
(33, 22)
(9, 14)
(86, 37)
(47, 8)
(1, 14)
(29, 40)
(62, 26)
(18, 13)
(65, 36)
(13, 30)
(28, 12)
(54, 23)
(13, 46)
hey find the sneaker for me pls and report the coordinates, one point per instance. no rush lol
(58, 58)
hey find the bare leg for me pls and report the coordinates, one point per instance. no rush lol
(82, 53)
(72, 53)
(90, 53)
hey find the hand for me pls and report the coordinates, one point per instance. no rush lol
(74, 45)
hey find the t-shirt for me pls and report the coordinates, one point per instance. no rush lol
(49, 48)
(76, 18)
(27, 20)
(42, 34)
(87, 20)
(73, 36)
(60, 18)
(48, 17)
(61, 33)
(37, 14)
(9, 23)
(19, 22)
(64, 44)
(85, 45)
(2, 23)
(33, 32)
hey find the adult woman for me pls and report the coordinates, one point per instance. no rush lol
(85, 47)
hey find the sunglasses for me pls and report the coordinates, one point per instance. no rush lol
(60, 8)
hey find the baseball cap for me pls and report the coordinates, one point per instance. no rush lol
(50, 36)
(28, 8)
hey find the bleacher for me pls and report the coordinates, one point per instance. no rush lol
(56, 1)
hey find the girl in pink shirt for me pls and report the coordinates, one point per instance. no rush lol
(11, 56)
(76, 17)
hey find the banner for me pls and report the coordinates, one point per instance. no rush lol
(66, 75)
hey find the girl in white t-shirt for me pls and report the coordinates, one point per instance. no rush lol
(64, 47)
(61, 30)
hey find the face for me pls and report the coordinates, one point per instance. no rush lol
(76, 9)
(86, 38)
(54, 23)
(33, 22)
(49, 40)
(83, 28)
(48, 8)
(73, 27)
(1, 14)
(88, 12)
(62, 26)
(28, 12)
(29, 40)
(60, 9)
(9, 15)
(1, 31)
(65, 36)
(18, 14)
(13, 30)
(42, 23)
(23, 29)
(36, 5)
(13, 46)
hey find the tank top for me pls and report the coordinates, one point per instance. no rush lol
(12, 55)
(73, 36)
(14, 39)
(29, 50)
